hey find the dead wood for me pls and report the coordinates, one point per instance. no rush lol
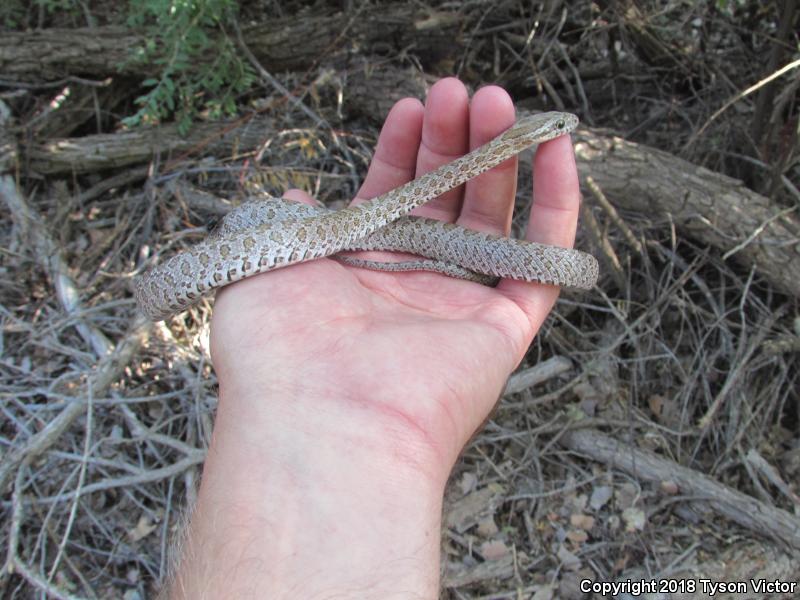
(748, 512)
(713, 208)
(43, 246)
(51, 54)
(45, 249)
(114, 150)
(81, 105)
(293, 43)
(539, 373)
(674, 338)
(654, 48)
(364, 84)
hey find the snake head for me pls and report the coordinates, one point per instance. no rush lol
(534, 129)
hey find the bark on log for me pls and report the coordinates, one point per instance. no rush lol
(52, 54)
(292, 43)
(367, 82)
(713, 208)
(114, 150)
(365, 94)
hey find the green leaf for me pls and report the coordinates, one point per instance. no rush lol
(181, 37)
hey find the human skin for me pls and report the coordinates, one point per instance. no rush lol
(346, 395)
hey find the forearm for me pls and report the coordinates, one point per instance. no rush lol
(294, 505)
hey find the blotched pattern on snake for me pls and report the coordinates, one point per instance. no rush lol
(262, 235)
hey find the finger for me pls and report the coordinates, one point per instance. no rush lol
(556, 195)
(395, 159)
(489, 198)
(297, 195)
(554, 220)
(445, 136)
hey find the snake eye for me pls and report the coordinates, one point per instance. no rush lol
(560, 124)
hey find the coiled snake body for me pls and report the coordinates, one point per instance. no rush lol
(263, 235)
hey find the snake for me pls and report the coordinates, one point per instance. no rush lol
(262, 235)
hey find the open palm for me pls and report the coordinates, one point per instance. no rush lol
(417, 359)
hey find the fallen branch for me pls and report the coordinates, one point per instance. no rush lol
(748, 512)
(114, 150)
(539, 373)
(42, 246)
(291, 43)
(364, 87)
(110, 368)
(713, 208)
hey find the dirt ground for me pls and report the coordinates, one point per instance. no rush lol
(651, 433)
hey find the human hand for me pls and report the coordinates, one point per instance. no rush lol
(429, 351)
(360, 388)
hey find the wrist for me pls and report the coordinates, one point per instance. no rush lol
(400, 427)
(296, 489)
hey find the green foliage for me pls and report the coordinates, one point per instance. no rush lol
(11, 13)
(196, 64)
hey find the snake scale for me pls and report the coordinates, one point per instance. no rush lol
(260, 236)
